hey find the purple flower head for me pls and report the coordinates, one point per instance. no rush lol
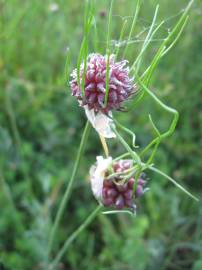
(109, 187)
(121, 86)
(118, 195)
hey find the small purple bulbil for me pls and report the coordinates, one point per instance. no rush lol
(140, 188)
(121, 86)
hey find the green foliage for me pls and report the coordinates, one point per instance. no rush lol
(40, 129)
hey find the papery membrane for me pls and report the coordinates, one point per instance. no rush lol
(101, 123)
(97, 174)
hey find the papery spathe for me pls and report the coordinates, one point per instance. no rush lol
(97, 175)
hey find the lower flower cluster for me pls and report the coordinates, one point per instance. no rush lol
(117, 189)
(118, 195)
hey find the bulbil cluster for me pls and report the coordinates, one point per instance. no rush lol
(121, 86)
(121, 195)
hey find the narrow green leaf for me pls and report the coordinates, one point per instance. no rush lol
(137, 9)
(174, 182)
(120, 38)
(108, 54)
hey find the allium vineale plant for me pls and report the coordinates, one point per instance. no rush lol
(102, 84)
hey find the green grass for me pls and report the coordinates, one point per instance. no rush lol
(40, 129)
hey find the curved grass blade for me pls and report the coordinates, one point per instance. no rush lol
(120, 38)
(133, 154)
(175, 113)
(118, 212)
(83, 53)
(73, 236)
(137, 9)
(128, 131)
(144, 47)
(173, 181)
(167, 43)
(177, 37)
(147, 39)
(156, 144)
(67, 62)
(108, 54)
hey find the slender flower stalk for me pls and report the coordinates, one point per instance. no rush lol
(104, 145)
(133, 154)
(66, 196)
(73, 236)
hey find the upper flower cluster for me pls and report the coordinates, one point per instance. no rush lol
(121, 86)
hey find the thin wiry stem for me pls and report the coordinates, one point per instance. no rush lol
(16, 135)
(108, 54)
(73, 236)
(122, 156)
(95, 38)
(152, 168)
(83, 53)
(177, 37)
(147, 40)
(168, 43)
(66, 196)
(145, 166)
(7, 191)
(67, 67)
(144, 47)
(118, 212)
(120, 38)
(168, 109)
(133, 154)
(150, 159)
(137, 9)
(130, 132)
(104, 145)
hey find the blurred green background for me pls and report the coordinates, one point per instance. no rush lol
(40, 129)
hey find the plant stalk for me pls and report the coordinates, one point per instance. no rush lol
(73, 236)
(69, 188)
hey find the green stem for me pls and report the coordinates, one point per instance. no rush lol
(69, 188)
(122, 156)
(137, 9)
(150, 159)
(120, 38)
(175, 113)
(133, 154)
(152, 168)
(83, 53)
(125, 173)
(73, 236)
(7, 191)
(168, 42)
(147, 40)
(17, 139)
(127, 131)
(108, 54)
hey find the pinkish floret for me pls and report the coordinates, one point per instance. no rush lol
(121, 86)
